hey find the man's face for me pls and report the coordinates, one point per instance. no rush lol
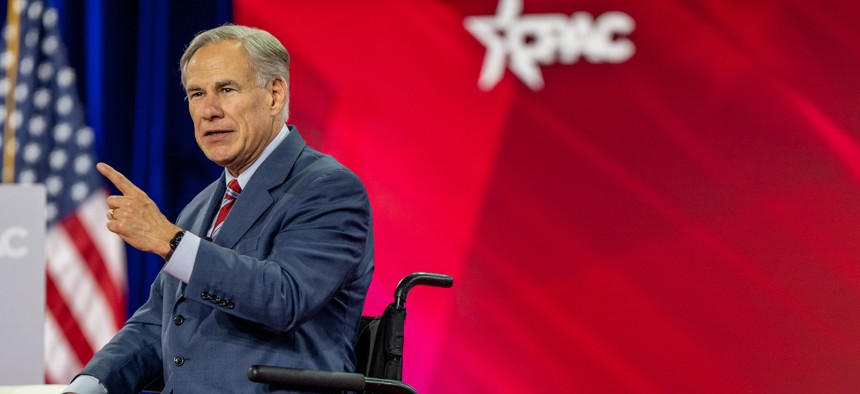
(234, 118)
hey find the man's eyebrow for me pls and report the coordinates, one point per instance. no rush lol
(226, 82)
(218, 85)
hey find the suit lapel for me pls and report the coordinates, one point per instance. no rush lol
(256, 198)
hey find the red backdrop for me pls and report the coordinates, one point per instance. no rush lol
(682, 218)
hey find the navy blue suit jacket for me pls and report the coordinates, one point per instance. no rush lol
(284, 284)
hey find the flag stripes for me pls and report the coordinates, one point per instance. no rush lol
(88, 298)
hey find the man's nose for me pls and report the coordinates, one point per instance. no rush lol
(212, 107)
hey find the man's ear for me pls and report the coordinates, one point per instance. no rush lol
(280, 95)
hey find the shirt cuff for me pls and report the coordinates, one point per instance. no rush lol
(86, 384)
(181, 263)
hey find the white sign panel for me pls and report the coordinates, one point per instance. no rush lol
(22, 284)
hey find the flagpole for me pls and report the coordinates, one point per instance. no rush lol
(13, 16)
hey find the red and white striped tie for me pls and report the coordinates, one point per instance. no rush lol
(233, 190)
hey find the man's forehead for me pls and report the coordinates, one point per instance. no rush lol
(218, 70)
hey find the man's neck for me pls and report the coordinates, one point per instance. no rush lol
(245, 174)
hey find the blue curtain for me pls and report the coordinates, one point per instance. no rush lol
(126, 54)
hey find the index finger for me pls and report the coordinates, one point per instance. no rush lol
(118, 179)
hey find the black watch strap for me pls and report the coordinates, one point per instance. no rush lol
(174, 243)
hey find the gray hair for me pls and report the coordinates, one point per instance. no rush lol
(269, 58)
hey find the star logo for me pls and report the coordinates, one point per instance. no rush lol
(528, 41)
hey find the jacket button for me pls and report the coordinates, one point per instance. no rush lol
(206, 296)
(231, 305)
(178, 320)
(178, 361)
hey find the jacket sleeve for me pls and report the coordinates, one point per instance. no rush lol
(132, 359)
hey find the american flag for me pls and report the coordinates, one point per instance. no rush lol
(86, 279)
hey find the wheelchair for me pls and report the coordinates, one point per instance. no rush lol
(378, 352)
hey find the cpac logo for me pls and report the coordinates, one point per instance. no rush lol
(530, 40)
(7, 248)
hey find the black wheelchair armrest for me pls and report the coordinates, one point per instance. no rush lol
(419, 278)
(302, 379)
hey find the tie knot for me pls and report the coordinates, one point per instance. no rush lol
(233, 188)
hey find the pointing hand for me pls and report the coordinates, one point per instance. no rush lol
(135, 217)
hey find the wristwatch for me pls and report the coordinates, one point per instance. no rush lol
(174, 243)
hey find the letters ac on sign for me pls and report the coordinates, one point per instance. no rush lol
(10, 245)
(530, 40)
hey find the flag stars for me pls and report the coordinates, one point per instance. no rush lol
(58, 159)
(21, 92)
(85, 137)
(27, 176)
(80, 191)
(37, 125)
(83, 164)
(42, 98)
(62, 132)
(66, 77)
(49, 45)
(32, 153)
(35, 10)
(5, 58)
(9, 31)
(49, 18)
(45, 72)
(54, 185)
(31, 39)
(64, 106)
(26, 66)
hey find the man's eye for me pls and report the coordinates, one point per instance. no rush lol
(228, 90)
(195, 95)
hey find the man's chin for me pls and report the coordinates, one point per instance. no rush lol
(219, 158)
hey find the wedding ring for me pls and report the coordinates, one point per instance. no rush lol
(110, 214)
